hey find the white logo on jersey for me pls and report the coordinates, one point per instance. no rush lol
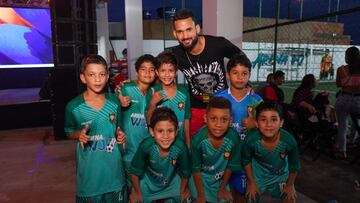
(96, 137)
(219, 175)
(110, 146)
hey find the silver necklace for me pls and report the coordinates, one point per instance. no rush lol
(188, 58)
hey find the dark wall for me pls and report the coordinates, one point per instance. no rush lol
(15, 78)
(116, 8)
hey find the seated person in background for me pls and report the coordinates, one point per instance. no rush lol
(120, 77)
(322, 123)
(121, 70)
(260, 90)
(272, 91)
(324, 110)
(303, 96)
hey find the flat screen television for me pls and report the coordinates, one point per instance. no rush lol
(25, 38)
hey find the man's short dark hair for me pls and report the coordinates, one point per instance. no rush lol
(239, 59)
(166, 57)
(163, 114)
(182, 14)
(92, 59)
(219, 103)
(278, 74)
(269, 105)
(145, 58)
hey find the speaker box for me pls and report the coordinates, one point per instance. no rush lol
(74, 36)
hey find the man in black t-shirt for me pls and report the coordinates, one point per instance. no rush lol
(201, 59)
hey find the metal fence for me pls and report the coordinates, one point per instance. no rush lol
(300, 39)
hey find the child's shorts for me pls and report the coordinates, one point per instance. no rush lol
(238, 181)
(274, 190)
(119, 196)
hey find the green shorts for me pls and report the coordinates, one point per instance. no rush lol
(274, 190)
(110, 197)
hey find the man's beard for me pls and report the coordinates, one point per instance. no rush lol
(192, 45)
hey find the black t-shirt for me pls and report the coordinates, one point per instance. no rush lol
(205, 72)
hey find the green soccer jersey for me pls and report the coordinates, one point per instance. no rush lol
(133, 121)
(99, 164)
(180, 104)
(159, 176)
(273, 166)
(212, 162)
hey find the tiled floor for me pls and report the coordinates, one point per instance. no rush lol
(38, 170)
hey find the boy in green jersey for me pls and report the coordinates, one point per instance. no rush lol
(215, 152)
(271, 156)
(93, 119)
(171, 95)
(160, 168)
(133, 100)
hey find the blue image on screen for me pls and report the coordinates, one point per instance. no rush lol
(25, 37)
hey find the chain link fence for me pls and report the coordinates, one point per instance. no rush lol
(313, 42)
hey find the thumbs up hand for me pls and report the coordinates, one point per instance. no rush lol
(83, 137)
(124, 100)
(250, 121)
(156, 97)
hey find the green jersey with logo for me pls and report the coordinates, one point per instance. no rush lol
(180, 104)
(160, 176)
(271, 166)
(133, 121)
(99, 164)
(212, 162)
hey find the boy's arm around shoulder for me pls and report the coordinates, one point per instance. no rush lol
(247, 146)
(184, 169)
(293, 151)
(187, 104)
(235, 158)
(187, 108)
(184, 163)
(137, 166)
(252, 190)
(195, 153)
(195, 150)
